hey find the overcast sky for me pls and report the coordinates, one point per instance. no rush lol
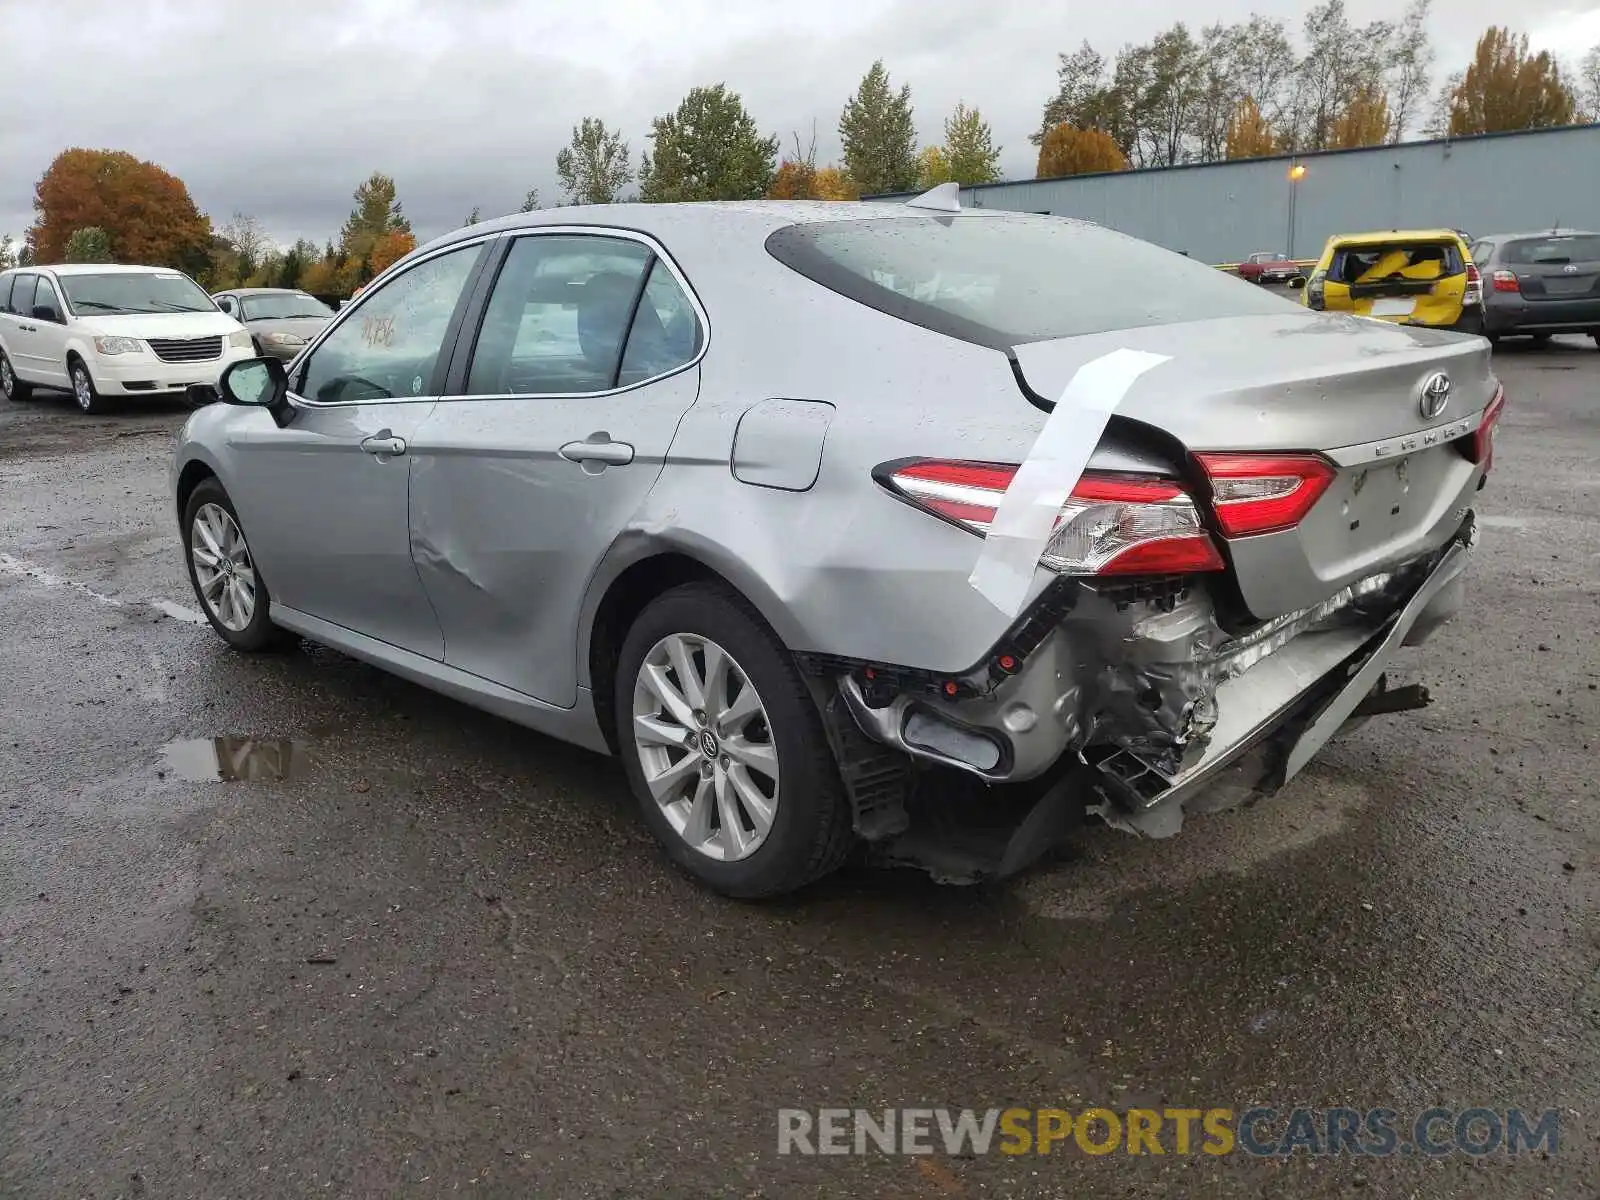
(280, 107)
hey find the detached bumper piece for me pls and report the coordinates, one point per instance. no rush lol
(1274, 718)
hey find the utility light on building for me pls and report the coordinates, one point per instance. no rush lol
(1297, 172)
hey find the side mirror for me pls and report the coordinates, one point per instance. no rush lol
(1299, 281)
(201, 394)
(257, 383)
(43, 312)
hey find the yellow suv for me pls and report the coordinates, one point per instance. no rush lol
(1411, 277)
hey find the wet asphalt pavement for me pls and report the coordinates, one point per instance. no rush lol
(443, 955)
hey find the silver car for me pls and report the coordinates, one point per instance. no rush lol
(280, 320)
(845, 523)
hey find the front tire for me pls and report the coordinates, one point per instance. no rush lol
(88, 397)
(724, 747)
(232, 594)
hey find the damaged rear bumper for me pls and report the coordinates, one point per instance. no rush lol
(1284, 699)
(1154, 701)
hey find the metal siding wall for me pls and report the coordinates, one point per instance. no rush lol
(1221, 213)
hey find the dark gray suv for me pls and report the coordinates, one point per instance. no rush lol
(1540, 284)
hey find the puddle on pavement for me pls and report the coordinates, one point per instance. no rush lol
(233, 759)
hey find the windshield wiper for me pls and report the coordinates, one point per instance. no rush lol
(100, 304)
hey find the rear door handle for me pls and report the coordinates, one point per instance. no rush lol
(599, 449)
(384, 445)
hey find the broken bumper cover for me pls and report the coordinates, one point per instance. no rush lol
(1172, 709)
(1309, 695)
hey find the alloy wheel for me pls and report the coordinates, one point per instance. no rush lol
(8, 381)
(82, 389)
(223, 567)
(705, 746)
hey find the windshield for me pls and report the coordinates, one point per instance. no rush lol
(135, 292)
(1003, 280)
(282, 306)
(1581, 248)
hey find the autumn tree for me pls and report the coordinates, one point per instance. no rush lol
(1364, 121)
(530, 202)
(390, 249)
(377, 213)
(594, 167)
(1069, 151)
(292, 267)
(1507, 88)
(879, 135)
(832, 183)
(969, 147)
(1249, 133)
(89, 245)
(8, 252)
(147, 214)
(707, 149)
(933, 168)
(475, 215)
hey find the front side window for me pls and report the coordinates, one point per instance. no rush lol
(45, 303)
(390, 346)
(135, 292)
(1003, 280)
(282, 306)
(559, 316)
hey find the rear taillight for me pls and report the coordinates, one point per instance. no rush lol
(1264, 493)
(1483, 440)
(1112, 524)
(1474, 292)
(1506, 281)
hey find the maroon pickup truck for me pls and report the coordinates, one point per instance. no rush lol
(1264, 266)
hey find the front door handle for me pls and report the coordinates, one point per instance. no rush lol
(384, 444)
(598, 449)
(28, 328)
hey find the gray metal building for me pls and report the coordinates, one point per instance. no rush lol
(1220, 212)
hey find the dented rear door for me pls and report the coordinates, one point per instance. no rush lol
(560, 427)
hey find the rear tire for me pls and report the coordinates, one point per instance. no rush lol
(224, 589)
(16, 390)
(88, 397)
(756, 726)
(1541, 339)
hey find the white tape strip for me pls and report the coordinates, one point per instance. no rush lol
(1027, 514)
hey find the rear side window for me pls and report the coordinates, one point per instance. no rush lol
(1556, 250)
(1004, 280)
(5, 292)
(21, 301)
(1409, 260)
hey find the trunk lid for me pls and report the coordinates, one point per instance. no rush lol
(1555, 266)
(1414, 281)
(1351, 390)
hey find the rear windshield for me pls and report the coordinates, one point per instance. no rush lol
(1407, 260)
(1578, 248)
(1004, 280)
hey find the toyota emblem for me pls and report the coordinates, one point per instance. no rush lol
(1571, 268)
(1435, 395)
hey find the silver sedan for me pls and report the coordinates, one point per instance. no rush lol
(809, 511)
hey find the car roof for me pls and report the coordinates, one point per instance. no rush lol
(262, 292)
(1538, 233)
(1377, 237)
(662, 220)
(101, 269)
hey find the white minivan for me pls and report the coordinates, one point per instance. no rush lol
(104, 332)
